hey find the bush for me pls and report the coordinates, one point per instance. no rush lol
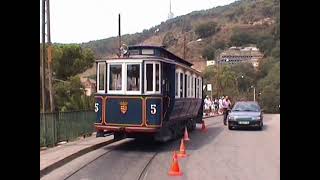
(219, 45)
(206, 29)
(239, 38)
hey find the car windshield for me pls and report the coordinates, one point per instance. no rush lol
(246, 107)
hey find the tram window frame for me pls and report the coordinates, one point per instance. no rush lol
(181, 87)
(200, 88)
(194, 86)
(154, 91)
(188, 84)
(126, 79)
(176, 84)
(185, 86)
(104, 78)
(123, 82)
(180, 72)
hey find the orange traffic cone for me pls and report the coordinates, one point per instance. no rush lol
(175, 169)
(203, 128)
(186, 136)
(182, 152)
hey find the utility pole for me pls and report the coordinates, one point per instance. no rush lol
(217, 78)
(43, 56)
(184, 46)
(49, 58)
(184, 37)
(254, 93)
(119, 33)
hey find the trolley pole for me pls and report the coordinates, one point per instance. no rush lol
(43, 56)
(119, 34)
(49, 58)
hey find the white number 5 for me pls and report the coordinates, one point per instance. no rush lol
(153, 108)
(96, 107)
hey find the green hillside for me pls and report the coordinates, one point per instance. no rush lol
(260, 17)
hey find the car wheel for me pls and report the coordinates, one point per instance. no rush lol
(230, 127)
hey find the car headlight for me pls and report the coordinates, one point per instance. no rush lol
(231, 118)
(256, 118)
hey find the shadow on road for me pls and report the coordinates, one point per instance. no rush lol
(265, 128)
(198, 139)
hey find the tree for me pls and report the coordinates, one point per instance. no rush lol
(70, 96)
(245, 76)
(270, 89)
(206, 29)
(265, 44)
(70, 60)
(239, 38)
(219, 45)
(208, 53)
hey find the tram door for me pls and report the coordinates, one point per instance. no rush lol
(168, 73)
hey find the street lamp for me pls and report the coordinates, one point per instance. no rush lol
(237, 83)
(254, 93)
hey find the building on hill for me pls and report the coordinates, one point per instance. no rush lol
(235, 55)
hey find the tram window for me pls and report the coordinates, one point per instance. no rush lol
(198, 95)
(133, 77)
(192, 85)
(195, 87)
(185, 85)
(101, 76)
(152, 77)
(149, 77)
(200, 88)
(147, 51)
(115, 77)
(181, 85)
(157, 77)
(176, 86)
(188, 86)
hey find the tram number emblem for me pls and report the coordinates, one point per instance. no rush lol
(153, 108)
(96, 107)
(123, 107)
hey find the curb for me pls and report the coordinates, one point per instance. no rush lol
(212, 116)
(67, 159)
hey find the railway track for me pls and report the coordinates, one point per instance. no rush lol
(130, 159)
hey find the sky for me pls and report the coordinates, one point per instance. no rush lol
(77, 21)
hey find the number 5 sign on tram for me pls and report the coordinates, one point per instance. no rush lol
(153, 108)
(96, 107)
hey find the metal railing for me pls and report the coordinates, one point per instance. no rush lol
(65, 126)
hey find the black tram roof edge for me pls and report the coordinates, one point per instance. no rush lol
(162, 48)
(153, 58)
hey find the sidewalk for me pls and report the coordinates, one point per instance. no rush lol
(212, 115)
(55, 157)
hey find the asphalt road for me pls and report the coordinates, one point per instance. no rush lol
(216, 154)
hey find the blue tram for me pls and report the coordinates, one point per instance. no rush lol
(147, 92)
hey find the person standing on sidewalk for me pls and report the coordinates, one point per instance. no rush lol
(206, 106)
(226, 103)
(220, 105)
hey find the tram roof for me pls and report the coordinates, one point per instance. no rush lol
(160, 51)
